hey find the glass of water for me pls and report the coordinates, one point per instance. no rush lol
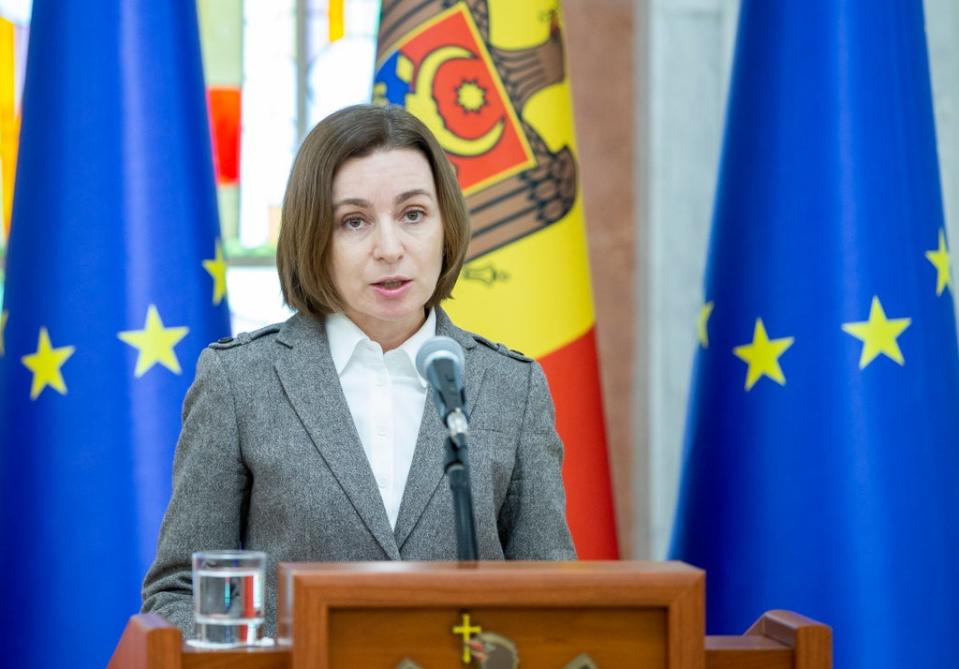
(228, 598)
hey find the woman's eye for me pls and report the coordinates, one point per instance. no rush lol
(414, 216)
(353, 223)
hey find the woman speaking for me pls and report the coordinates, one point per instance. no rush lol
(313, 439)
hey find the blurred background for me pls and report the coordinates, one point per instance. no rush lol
(649, 117)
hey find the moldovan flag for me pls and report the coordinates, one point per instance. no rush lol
(489, 79)
(115, 283)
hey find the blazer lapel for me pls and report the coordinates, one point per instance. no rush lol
(312, 385)
(429, 456)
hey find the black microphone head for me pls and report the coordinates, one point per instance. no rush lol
(437, 348)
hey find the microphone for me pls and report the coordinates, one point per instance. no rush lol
(440, 361)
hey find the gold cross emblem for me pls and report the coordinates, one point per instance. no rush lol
(466, 631)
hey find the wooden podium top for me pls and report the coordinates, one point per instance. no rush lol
(497, 583)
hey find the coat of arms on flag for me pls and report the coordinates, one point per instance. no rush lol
(471, 95)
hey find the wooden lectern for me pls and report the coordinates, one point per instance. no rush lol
(556, 615)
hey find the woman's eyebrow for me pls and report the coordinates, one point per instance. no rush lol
(406, 195)
(355, 201)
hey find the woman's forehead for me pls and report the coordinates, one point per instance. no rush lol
(387, 172)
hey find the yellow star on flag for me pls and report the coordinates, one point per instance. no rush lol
(762, 356)
(45, 365)
(155, 343)
(702, 323)
(878, 334)
(940, 260)
(3, 325)
(217, 269)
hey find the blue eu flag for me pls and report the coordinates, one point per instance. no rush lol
(821, 471)
(115, 282)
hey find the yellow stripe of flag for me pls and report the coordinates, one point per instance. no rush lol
(337, 26)
(9, 123)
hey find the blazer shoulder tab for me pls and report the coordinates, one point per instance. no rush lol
(244, 337)
(502, 349)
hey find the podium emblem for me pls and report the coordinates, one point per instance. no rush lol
(489, 649)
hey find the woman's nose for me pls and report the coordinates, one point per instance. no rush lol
(387, 245)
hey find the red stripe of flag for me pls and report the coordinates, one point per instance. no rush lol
(573, 376)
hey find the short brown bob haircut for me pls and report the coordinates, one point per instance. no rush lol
(307, 223)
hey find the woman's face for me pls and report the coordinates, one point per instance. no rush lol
(387, 245)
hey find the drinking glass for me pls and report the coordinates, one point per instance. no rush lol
(228, 598)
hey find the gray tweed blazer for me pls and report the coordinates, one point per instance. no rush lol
(269, 459)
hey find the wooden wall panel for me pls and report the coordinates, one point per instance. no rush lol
(601, 44)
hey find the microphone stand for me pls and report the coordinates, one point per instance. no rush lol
(457, 469)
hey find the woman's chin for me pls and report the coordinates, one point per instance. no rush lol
(405, 314)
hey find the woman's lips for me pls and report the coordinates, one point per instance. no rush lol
(392, 287)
